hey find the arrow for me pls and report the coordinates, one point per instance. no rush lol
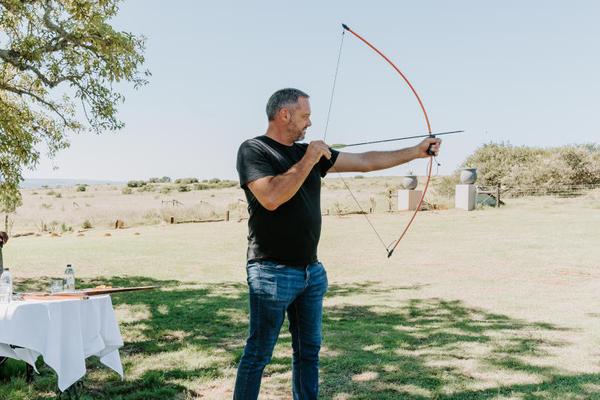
(341, 146)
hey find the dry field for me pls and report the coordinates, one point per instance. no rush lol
(61, 209)
(491, 304)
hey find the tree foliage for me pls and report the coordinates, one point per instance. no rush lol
(504, 164)
(59, 61)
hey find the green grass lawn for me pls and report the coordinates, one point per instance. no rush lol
(493, 304)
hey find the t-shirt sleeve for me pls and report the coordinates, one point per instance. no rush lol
(252, 163)
(325, 164)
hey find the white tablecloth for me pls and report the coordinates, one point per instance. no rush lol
(64, 333)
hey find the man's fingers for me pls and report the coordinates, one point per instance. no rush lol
(318, 149)
(326, 153)
(429, 145)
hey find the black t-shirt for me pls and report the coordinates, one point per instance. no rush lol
(290, 234)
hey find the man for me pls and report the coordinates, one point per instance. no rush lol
(282, 182)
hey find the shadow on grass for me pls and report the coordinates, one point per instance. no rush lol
(187, 336)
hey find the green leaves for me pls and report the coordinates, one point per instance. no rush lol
(57, 56)
(504, 164)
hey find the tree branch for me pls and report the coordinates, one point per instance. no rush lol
(50, 105)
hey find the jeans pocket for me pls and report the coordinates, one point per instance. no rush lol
(262, 283)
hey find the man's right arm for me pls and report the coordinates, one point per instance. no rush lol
(272, 191)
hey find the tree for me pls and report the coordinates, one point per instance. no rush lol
(59, 61)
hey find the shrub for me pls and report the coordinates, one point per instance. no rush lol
(53, 226)
(165, 189)
(446, 186)
(146, 188)
(201, 186)
(183, 188)
(86, 224)
(81, 188)
(165, 179)
(126, 190)
(58, 195)
(186, 181)
(134, 184)
(504, 164)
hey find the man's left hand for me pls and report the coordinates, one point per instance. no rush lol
(424, 146)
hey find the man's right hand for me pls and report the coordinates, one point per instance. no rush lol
(317, 149)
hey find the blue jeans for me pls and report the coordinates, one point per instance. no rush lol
(274, 290)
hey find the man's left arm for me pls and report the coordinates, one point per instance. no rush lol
(376, 160)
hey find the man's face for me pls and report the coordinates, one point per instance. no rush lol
(299, 119)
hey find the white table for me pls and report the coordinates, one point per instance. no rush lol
(64, 333)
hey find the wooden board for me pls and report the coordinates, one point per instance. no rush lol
(109, 290)
(83, 293)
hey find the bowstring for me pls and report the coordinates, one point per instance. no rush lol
(337, 67)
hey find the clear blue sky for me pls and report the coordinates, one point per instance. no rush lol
(518, 71)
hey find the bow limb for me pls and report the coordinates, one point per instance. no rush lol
(390, 249)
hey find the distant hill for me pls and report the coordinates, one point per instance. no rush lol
(38, 183)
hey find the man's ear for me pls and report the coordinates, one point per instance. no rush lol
(285, 114)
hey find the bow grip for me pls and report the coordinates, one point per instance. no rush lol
(430, 149)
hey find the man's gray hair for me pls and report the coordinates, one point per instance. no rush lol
(283, 98)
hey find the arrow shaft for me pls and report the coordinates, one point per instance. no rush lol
(341, 146)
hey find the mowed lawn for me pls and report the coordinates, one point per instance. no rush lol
(490, 304)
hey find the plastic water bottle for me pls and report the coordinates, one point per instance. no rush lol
(69, 279)
(6, 286)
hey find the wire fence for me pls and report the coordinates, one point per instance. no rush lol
(537, 190)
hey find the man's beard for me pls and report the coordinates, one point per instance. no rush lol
(302, 135)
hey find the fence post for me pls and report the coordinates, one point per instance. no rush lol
(498, 196)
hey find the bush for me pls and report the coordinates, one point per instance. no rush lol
(134, 184)
(165, 189)
(446, 186)
(186, 181)
(507, 165)
(201, 186)
(146, 188)
(165, 179)
(81, 188)
(183, 188)
(126, 190)
(87, 224)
